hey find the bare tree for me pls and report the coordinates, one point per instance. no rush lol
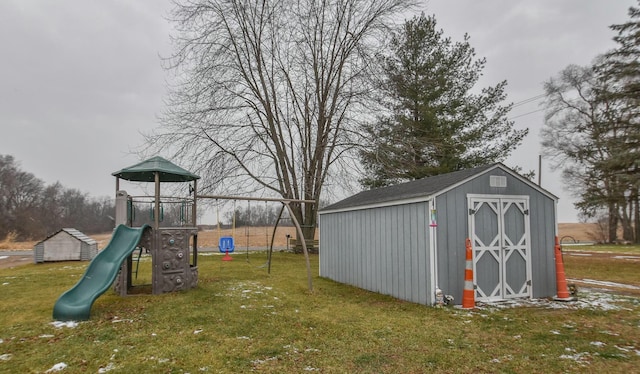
(583, 135)
(269, 95)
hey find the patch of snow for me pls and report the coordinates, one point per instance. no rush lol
(608, 284)
(117, 319)
(578, 357)
(627, 257)
(1, 341)
(598, 344)
(3, 257)
(259, 361)
(6, 357)
(61, 324)
(309, 368)
(555, 332)
(198, 331)
(45, 336)
(5, 283)
(609, 333)
(589, 299)
(57, 367)
(110, 366)
(243, 338)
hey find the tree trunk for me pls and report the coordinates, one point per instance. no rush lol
(626, 221)
(636, 212)
(308, 219)
(613, 223)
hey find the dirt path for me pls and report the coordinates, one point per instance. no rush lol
(12, 261)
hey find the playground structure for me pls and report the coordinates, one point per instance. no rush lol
(173, 246)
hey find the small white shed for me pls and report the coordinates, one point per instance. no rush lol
(65, 245)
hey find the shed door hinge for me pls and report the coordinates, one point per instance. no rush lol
(472, 212)
(526, 212)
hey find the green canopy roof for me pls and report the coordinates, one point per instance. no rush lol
(145, 171)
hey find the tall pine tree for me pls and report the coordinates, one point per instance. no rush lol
(622, 66)
(436, 123)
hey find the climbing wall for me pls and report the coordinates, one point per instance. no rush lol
(172, 270)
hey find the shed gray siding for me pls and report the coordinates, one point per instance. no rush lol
(38, 252)
(380, 240)
(385, 250)
(453, 229)
(66, 245)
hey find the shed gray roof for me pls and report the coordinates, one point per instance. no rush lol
(73, 232)
(424, 187)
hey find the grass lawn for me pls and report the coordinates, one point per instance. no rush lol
(241, 319)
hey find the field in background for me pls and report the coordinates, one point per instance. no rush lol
(261, 236)
(254, 236)
(582, 232)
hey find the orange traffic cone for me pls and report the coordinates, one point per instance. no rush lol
(469, 293)
(561, 280)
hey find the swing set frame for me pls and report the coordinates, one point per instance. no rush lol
(285, 204)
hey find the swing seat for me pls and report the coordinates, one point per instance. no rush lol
(226, 244)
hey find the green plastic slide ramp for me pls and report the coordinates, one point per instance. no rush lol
(75, 304)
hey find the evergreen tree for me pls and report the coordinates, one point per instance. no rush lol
(436, 123)
(622, 67)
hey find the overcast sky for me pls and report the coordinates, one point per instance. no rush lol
(79, 80)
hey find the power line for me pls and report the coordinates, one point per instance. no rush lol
(526, 114)
(529, 100)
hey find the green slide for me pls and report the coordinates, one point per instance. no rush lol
(75, 304)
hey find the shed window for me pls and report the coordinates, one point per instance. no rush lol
(497, 181)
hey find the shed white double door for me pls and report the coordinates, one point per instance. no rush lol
(499, 232)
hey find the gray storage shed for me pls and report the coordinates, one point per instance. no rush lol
(409, 239)
(65, 245)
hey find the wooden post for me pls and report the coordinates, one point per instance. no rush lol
(195, 224)
(156, 208)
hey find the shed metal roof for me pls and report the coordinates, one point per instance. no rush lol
(145, 171)
(421, 188)
(73, 232)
